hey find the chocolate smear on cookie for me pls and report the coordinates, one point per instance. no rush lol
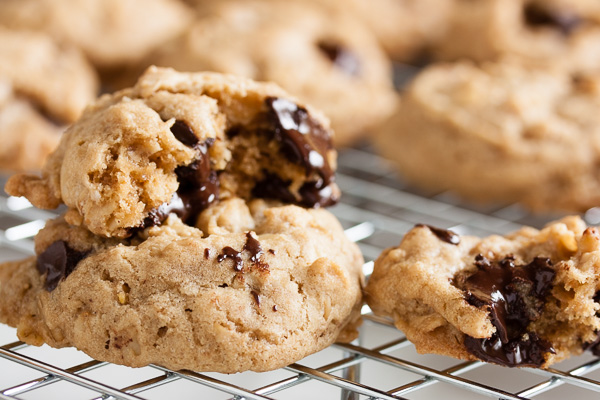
(341, 57)
(252, 246)
(57, 262)
(515, 296)
(443, 234)
(564, 21)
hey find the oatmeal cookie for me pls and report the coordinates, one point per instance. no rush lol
(528, 299)
(43, 86)
(177, 142)
(326, 59)
(110, 32)
(262, 285)
(500, 133)
(564, 33)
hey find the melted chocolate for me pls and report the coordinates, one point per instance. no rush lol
(252, 246)
(198, 185)
(57, 262)
(538, 16)
(256, 297)
(304, 142)
(273, 187)
(341, 57)
(443, 234)
(233, 254)
(515, 296)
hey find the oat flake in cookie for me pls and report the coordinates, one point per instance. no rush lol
(527, 299)
(196, 236)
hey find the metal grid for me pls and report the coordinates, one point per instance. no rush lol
(376, 211)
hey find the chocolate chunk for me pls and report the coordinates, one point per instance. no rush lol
(233, 254)
(207, 253)
(443, 234)
(275, 308)
(341, 57)
(304, 142)
(57, 262)
(528, 351)
(184, 133)
(515, 296)
(273, 187)
(256, 297)
(565, 21)
(198, 188)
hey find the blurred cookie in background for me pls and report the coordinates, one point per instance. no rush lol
(43, 87)
(565, 33)
(327, 59)
(111, 33)
(405, 28)
(500, 133)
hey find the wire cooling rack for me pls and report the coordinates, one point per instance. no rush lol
(376, 210)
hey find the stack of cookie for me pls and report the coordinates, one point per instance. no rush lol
(194, 236)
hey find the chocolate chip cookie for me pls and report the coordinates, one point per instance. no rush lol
(528, 299)
(565, 33)
(194, 237)
(257, 287)
(326, 59)
(500, 133)
(43, 86)
(110, 32)
(177, 142)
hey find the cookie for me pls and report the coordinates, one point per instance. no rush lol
(565, 33)
(177, 142)
(405, 28)
(528, 299)
(110, 32)
(43, 86)
(500, 133)
(326, 59)
(259, 287)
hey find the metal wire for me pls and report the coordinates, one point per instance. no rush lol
(376, 211)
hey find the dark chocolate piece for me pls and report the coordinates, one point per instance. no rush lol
(256, 297)
(594, 346)
(184, 133)
(207, 253)
(565, 21)
(233, 254)
(443, 234)
(273, 187)
(275, 307)
(304, 142)
(198, 188)
(341, 57)
(515, 295)
(57, 262)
